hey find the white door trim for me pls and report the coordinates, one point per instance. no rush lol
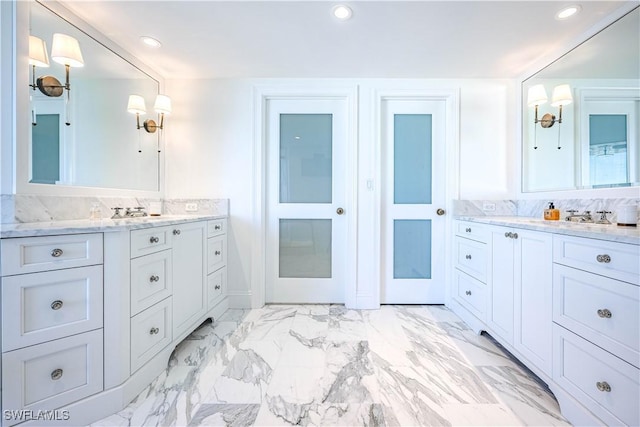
(261, 95)
(451, 97)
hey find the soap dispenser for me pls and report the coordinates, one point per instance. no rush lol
(551, 213)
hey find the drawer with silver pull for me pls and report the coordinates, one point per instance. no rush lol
(44, 306)
(216, 253)
(471, 257)
(53, 374)
(602, 310)
(470, 293)
(150, 333)
(45, 253)
(612, 259)
(605, 384)
(472, 230)
(151, 280)
(149, 240)
(216, 227)
(216, 283)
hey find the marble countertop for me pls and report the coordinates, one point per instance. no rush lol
(31, 229)
(609, 232)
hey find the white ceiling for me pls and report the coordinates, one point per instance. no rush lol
(403, 39)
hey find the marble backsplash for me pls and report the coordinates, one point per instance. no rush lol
(37, 208)
(535, 208)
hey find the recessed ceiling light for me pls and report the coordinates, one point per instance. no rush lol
(342, 12)
(568, 12)
(150, 41)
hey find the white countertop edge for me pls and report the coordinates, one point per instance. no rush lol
(105, 225)
(611, 232)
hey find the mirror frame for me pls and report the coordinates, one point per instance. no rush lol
(577, 191)
(22, 121)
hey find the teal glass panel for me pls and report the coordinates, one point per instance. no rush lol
(412, 142)
(412, 249)
(45, 149)
(305, 248)
(305, 158)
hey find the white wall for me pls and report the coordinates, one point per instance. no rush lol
(210, 140)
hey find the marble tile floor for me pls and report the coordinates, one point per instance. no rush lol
(326, 365)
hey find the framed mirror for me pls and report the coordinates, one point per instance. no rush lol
(581, 114)
(86, 137)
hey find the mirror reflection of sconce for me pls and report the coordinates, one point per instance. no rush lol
(162, 106)
(537, 95)
(65, 50)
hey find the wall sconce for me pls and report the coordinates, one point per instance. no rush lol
(65, 51)
(38, 57)
(162, 106)
(537, 96)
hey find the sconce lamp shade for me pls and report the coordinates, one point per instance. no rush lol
(38, 52)
(561, 95)
(537, 95)
(66, 50)
(136, 105)
(162, 105)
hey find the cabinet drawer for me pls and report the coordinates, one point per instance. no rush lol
(616, 260)
(150, 240)
(53, 374)
(582, 369)
(472, 230)
(216, 253)
(216, 227)
(216, 286)
(150, 333)
(471, 257)
(470, 293)
(34, 254)
(150, 280)
(602, 310)
(41, 307)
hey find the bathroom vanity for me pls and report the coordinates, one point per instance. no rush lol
(564, 299)
(91, 311)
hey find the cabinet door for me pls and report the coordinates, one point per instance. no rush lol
(189, 296)
(533, 290)
(500, 316)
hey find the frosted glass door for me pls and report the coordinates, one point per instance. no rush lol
(412, 232)
(306, 235)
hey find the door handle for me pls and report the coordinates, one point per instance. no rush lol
(440, 212)
(340, 211)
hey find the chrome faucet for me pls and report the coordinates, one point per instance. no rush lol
(117, 214)
(603, 217)
(583, 217)
(138, 212)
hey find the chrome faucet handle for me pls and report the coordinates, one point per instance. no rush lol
(603, 217)
(140, 211)
(571, 211)
(117, 214)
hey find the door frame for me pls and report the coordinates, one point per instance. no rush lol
(262, 94)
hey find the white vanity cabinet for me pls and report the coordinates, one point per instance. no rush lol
(52, 319)
(471, 256)
(216, 261)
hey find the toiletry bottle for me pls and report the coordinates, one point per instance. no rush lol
(95, 212)
(551, 214)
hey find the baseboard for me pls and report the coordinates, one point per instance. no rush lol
(239, 299)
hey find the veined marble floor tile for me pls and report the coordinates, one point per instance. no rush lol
(325, 365)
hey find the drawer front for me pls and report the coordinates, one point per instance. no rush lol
(472, 230)
(619, 261)
(471, 293)
(602, 310)
(150, 333)
(471, 257)
(41, 307)
(216, 286)
(150, 280)
(216, 253)
(34, 254)
(216, 227)
(53, 374)
(586, 372)
(150, 240)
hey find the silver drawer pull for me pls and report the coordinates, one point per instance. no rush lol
(154, 239)
(604, 313)
(603, 386)
(218, 252)
(217, 227)
(468, 230)
(216, 287)
(515, 235)
(154, 331)
(154, 278)
(468, 292)
(56, 305)
(467, 256)
(176, 232)
(57, 252)
(56, 374)
(603, 258)
(508, 234)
